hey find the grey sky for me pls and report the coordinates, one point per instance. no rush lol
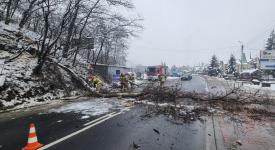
(187, 32)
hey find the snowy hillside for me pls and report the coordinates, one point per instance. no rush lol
(21, 88)
(48, 46)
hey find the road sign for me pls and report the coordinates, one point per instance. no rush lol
(267, 60)
(267, 64)
(268, 54)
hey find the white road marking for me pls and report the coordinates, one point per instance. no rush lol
(100, 118)
(77, 132)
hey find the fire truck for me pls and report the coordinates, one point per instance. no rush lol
(153, 72)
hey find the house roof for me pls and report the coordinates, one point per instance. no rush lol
(249, 71)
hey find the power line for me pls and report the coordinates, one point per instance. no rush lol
(185, 49)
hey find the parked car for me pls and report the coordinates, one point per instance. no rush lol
(186, 77)
(249, 75)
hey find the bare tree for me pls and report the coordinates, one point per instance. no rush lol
(46, 47)
(71, 29)
(8, 10)
(29, 11)
(83, 27)
(80, 19)
(115, 29)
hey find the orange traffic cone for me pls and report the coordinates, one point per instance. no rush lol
(33, 144)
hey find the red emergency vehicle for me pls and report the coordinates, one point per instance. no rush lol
(153, 72)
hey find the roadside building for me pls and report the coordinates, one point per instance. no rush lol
(267, 60)
(200, 69)
(242, 67)
(247, 63)
(242, 63)
(109, 72)
(267, 63)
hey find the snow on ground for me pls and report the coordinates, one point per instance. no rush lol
(249, 71)
(172, 78)
(139, 82)
(10, 27)
(272, 86)
(20, 67)
(246, 84)
(94, 107)
(216, 85)
(15, 28)
(20, 89)
(249, 86)
(15, 104)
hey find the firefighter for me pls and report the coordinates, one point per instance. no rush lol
(162, 79)
(90, 79)
(97, 83)
(132, 80)
(123, 82)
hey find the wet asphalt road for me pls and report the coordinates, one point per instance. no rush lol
(14, 132)
(120, 132)
(117, 133)
(196, 84)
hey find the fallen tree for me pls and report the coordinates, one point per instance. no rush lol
(79, 79)
(189, 106)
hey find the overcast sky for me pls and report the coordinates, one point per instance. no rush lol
(188, 32)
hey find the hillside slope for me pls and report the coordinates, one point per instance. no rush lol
(21, 89)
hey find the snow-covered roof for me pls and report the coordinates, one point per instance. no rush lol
(249, 70)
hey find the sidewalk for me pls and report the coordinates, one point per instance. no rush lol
(245, 135)
(243, 131)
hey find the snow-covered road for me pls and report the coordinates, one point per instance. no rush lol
(94, 107)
